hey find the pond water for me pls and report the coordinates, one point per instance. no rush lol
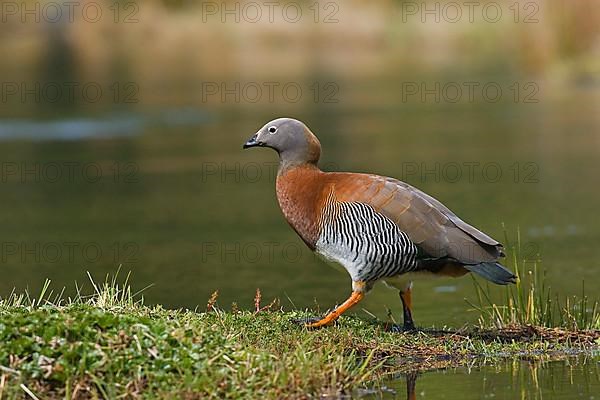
(572, 378)
(172, 197)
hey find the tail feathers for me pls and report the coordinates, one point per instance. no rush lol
(494, 272)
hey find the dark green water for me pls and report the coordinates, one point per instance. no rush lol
(572, 378)
(184, 208)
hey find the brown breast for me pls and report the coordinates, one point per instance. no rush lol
(301, 192)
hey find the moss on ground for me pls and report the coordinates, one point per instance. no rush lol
(89, 350)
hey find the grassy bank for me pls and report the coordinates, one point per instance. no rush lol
(108, 345)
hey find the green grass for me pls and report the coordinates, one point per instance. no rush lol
(108, 344)
(531, 301)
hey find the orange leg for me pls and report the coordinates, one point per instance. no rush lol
(406, 297)
(356, 297)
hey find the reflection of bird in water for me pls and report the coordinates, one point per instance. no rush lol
(377, 228)
(411, 384)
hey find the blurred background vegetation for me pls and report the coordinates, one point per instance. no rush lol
(171, 48)
(180, 204)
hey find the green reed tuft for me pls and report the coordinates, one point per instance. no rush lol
(531, 302)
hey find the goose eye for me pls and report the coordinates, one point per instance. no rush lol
(272, 129)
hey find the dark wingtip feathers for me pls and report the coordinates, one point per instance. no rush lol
(493, 272)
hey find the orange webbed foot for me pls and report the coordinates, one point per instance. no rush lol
(331, 317)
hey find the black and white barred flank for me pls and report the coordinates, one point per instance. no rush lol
(367, 243)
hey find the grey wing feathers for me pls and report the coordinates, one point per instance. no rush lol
(430, 224)
(491, 246)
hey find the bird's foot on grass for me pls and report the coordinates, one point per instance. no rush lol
(329, 319)
(311, 322)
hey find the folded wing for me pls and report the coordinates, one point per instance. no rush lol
(429, 224)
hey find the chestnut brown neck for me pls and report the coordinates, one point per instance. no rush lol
(300, 192)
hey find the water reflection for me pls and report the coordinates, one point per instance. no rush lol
(112, 125)
(535, 379)
(411, 384)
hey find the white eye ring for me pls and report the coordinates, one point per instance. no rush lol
(272, 129)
